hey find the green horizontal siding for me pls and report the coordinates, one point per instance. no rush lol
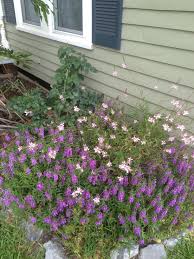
(157, 46)
(173, 5)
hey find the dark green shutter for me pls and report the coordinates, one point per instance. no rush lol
(107, 23)
(9, 11)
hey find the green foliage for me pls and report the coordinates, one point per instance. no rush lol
(42, 9)
(13, 244)
(66, 91)
(183, 250)
(33, 105)
(21, 58)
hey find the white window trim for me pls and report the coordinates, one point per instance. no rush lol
(49, 31)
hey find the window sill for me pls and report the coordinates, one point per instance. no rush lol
(65, 37)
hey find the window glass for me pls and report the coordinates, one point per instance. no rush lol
(29, 14)
(69, 15)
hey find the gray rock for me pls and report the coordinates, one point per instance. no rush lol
(54, 250)
(124, 253)
(32, 232)
(153, 252)
(171, 242)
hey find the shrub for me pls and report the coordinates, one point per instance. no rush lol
(103, 183)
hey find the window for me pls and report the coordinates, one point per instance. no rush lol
(28, 13)
(70, 21)
(69, 15)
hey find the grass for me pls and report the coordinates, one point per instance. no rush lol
(183, 250)
(13, 243)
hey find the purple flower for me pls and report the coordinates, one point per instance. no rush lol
(137, 205)
(98, 223)
(172, 203)
(142, 214)
(22, 158)
(121, 220)
(158, 209)
(68, 152)
(74, 179)
(131, 199)
(154, 219)
(40, 186)
(141, 242)
(33, 220)
(47, 220)
(121, 196)
(175, 221)
(92, 164)
(33, 161)
(29, 199)
(83, 221)
(100, 215)
(132, 219)
(1, 180)
(137, 231)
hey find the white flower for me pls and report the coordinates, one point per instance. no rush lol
(105, 106)
(174, 87)
(157, 116)
(169, 151)
(106, 118)
(86, 148)
(61, 127)
(20, 148)
(120, 178)
(125, 167)
(76, 109)
(135, 121)
(112, 112)
(101, 140)
(181, 127)
(124, 128)
(49, 108)
(171, 139)
(151, 120)
(30, 113)
(76, 193)
(163, 142)
(97, 150)
(115, 73)
(90, 112)
(96, 200)
(112, 136)
(185, 113)
(83, 157)
(94, 125)
(129, 160)
(81, 132)
(107, 146)
(143, 142)
(104, 154)
(109, 164)
(124, 65)
(166, 127)
(135, 139)
(114, 125)
(78, 167)
(32, 146)
(185, 156)
(61, 97)
(52, 154)
(83, 88)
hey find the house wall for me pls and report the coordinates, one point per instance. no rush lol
(158, 48)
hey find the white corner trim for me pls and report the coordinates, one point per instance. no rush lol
(4, 41)
(49, 32)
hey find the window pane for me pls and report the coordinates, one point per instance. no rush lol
(69, 15)
(29, 14)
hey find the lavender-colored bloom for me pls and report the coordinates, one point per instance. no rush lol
(68, 152)
(7, 138)
(163, 214)
(100, 215)
(33, 220)
(106, 194)
(104, 208)
(114, 190)
(83, 221)
(121, 196)
(142, 214)
(74, 179)
(29, 199)
(22, 158)
(175, 221)
(132, 219)
(33, 161)
(92, 164)
(154, 219)
(121, 220)
(172, 203)
(153, 203)
(131, 199)
(40, 187)
(55, 177)
(1, 180)
(137, 205)
(54, 226)
(98, 223)
(48, 196)
(177, 208)
(137, 231)
(141, 242)
(158, 209)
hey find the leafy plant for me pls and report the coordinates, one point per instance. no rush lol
(32, 105)
(21, 58)
(41, 9)
(66, 92)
